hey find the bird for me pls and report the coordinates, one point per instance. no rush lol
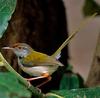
(36, 63)
(40, 64)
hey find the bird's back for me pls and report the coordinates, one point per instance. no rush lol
(37, 59)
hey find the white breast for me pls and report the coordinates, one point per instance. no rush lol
(39, 70)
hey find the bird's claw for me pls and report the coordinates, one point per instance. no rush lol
(29, 84)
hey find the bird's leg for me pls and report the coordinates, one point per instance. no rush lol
(40, 77)
(45, 75)
(48, 79)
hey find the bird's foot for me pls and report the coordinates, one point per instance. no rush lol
(29, 84)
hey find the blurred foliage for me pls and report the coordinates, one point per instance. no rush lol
(11, 88)
(7, 8)
(69, 80)
(76, 93)
(90, 7)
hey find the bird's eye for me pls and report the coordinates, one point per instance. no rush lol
(19, 47)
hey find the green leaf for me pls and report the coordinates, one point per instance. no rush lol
(69, 81)
(76, 93)
(11, 88)
(4, 92)
(7, 8)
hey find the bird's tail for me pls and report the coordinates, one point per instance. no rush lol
(57, 53)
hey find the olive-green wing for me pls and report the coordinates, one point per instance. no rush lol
(37, 59)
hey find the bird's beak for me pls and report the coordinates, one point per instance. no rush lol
(8, 48)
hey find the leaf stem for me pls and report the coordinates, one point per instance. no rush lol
(34, 90)
(52, 94)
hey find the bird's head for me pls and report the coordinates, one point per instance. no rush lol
(20, 49)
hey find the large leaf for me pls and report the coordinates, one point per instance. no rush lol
(76, 93)
(11, 88)
(7, 8)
